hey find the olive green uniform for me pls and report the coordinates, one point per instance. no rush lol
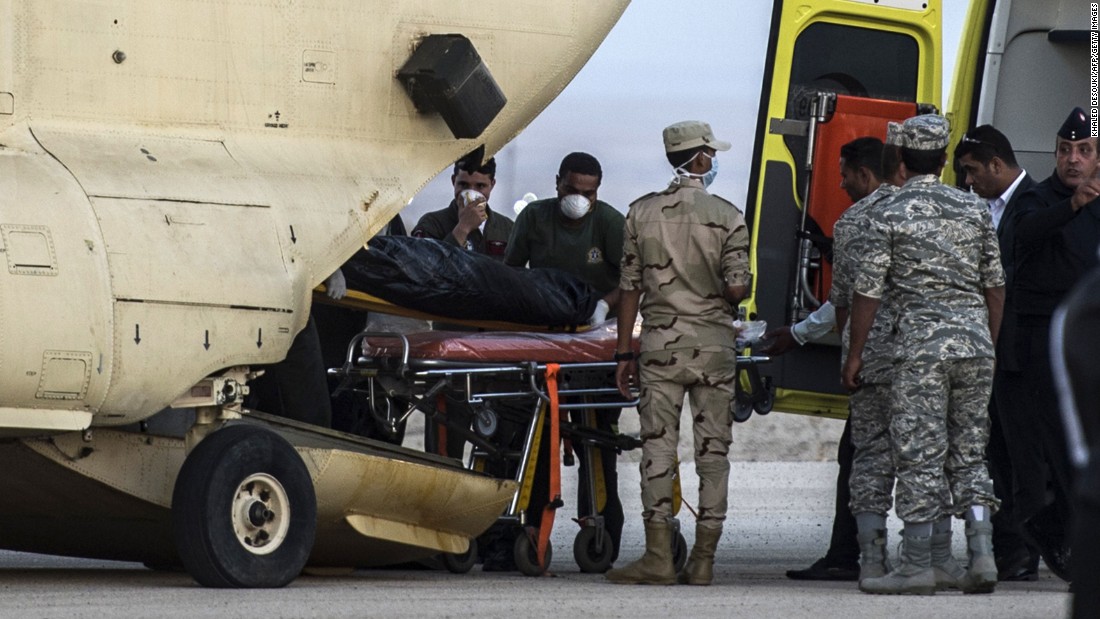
(591, 250)
(440, 225)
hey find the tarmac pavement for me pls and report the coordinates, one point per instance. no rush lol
(780, 514)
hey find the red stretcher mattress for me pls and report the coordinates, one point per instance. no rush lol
(592, 346)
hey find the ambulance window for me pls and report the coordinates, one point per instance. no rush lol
(856, 61)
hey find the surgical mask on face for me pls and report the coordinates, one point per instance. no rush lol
(575, 206)
(707, 177)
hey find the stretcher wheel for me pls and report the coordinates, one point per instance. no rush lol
(526, 558)
(486, 422)
(244, 511)
(590, 559)
(764, 406)
(679, 552)
(461, 562)
(742, 409)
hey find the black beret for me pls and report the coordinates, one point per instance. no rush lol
(1076, 127)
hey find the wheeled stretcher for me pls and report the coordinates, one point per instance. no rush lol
(517, 384)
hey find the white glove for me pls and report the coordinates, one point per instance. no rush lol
(335, 286)
(600, 314)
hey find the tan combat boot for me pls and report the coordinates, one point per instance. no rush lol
(913, 576)
(699, 569)
(872, 554)
(981, 575)
(947, 570)
(655, 567)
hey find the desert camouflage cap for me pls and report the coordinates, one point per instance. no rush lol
(690, 134)
(924, 132)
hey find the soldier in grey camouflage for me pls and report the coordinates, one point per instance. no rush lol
(933, 251)
(872, 478)
(685, 264)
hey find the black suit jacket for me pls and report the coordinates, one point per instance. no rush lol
(1006, 231)
(1007, 227)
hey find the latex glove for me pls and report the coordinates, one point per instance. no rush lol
(336, 287)
(600, 314)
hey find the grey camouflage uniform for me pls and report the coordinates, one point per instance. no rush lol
(682, 248)
(872, 478)
(934, 250)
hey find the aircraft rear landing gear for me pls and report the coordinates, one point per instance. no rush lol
(460, 563)
(244, 512)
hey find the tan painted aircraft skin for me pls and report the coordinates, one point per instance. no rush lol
(175, 178)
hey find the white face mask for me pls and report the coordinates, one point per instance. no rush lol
(575, 206)
(707, 177)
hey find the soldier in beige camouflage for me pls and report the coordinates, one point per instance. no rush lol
(685, 264)
(933, 251)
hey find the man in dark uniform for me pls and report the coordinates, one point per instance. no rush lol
(583, 236)
(336, 326)
(1075, 337)
(297, 386)
(1057, 230)
(468, 221)
(989, 167)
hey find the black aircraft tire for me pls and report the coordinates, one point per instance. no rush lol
(460, 563)
(585, 554)
(244, 512)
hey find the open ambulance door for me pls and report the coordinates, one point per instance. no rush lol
(1022, 65)
(836, 70)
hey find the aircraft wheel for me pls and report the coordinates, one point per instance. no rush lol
(585, 553)
(526, 557)
(244, 511)
(460, 563)
(679, 552)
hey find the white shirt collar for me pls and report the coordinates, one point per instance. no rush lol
(1007, 195)
(997, 205)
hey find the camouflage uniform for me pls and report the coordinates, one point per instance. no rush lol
(934, 250)
(682, 248)
(872, 477)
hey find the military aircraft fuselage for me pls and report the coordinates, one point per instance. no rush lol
(175, 177)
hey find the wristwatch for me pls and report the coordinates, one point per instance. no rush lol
(624, 356)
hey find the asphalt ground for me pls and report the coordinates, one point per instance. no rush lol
(780, 514)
